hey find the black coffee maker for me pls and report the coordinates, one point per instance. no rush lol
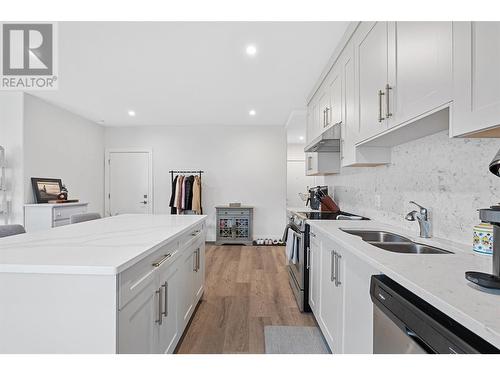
(490, 215)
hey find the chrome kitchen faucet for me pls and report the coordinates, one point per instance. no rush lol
(423, 220)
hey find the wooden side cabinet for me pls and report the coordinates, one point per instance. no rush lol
(234, 225)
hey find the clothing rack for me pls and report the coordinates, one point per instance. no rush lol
(199, 173)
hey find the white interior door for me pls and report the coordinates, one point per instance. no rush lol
(129, 188)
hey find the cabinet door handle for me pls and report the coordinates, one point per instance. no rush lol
(337, 269)
(327, 116)
(380, 94)
(308, 257)
(332, 266)
(197, 259)
(387, 101)
(158, 263)
(165, 297)
(160, 303)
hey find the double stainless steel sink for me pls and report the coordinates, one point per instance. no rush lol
(393, 242)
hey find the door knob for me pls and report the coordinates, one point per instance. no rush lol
(144, 202)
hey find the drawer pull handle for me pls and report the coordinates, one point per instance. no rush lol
(161, 261)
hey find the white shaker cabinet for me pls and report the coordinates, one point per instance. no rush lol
(159, 295)
(168, 330)
(314, 253)
(371, 50)
(476, 79)
(137, 327)
(333, 111)
(350, 154)
(404, 74)
(331, 295)
(340, 295)
(313, 121)
(420, 69)
(358, 307)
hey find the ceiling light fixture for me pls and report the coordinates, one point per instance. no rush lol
(252, 112)
(251, 50)
(131, 113)
(301, 138)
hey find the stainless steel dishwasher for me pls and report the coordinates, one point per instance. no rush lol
(404, 323)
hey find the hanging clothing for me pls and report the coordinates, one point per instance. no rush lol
(179, 194)
(173, 210)
(183, 193)
(196, 205)
(188, 199)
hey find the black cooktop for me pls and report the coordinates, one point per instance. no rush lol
(325, 215)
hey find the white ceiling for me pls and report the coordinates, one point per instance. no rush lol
(190, 73)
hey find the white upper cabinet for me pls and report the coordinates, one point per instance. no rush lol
(404, 73)
(313, 121)
(370, 45)
(334, 113)
(476, 78)
(420, 69)
(352, 155)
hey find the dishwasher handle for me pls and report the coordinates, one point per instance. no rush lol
(418, 340)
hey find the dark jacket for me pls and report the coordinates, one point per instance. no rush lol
(173, 210)
(188, 197)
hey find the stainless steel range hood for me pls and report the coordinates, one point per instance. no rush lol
(329, 141)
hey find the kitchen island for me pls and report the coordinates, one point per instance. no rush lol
(122, 284)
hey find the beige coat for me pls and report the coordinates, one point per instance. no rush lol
(197, 195)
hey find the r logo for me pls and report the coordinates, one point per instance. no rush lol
(27, 49)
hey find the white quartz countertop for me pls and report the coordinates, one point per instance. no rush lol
(437, 278)
(102, 247)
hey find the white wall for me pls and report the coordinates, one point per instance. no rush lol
(60, 144)
(297, 181)
(448, 176)
(241, 164)
(11, 138)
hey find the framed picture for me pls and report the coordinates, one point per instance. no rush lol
(46, 189)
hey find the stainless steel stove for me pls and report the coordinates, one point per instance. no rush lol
(299, 272)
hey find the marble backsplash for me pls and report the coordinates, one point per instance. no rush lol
(448, 176)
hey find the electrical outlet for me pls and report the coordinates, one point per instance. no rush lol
(377, 201)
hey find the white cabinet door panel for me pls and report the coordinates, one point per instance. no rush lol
(476, 77)
(331, 297)
(138, 328)
(420, 68)
(358, 307)
(314, 272)
(371, 52)
(168, 329)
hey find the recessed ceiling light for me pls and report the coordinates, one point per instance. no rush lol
(252, 112)
(251, 50)
(131, 113)
(301, 138)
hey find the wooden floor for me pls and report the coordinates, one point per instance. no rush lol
(246, 289)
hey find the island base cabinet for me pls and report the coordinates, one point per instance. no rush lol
(137, 328)
(154, 319)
